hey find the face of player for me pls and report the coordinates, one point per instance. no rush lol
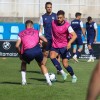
(79, 17)
(48, 8)
(29, 26)
(60, 19)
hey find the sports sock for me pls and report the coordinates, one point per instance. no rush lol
(70, 70)
(47, 77)
(62, 72)
(56, 64)
(23, 73)
(78, 53)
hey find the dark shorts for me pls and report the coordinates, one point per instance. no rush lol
(48, 46)
(90, 40)
(64, 53)
(33, 53)
(78, 41)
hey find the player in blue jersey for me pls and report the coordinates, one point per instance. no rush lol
(77, 26)
(91, 29)
(45, 23)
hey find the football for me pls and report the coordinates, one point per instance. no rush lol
(52, 77)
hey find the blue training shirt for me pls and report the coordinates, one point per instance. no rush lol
(90, 29)
(47, 24)
(76, 25)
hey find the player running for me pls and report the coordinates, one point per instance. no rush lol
(60, 45)
(91, 29)
(77, 26)
(29, 39)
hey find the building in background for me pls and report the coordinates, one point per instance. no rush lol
(19, 10)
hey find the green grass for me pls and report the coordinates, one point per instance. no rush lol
(37, 89)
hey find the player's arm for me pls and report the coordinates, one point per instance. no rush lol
(42, 37)
(18, 46)
(83, 29)
(74, 36)
(94, 85)
(41, 25)
(96, 32)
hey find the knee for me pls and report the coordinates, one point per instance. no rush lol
(46, 54)
(52, 56)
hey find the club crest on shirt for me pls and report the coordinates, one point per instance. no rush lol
(53, 18)
(45, 18)
(90, 25)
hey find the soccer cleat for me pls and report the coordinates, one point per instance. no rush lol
(91, 60)
(49, 83)
(74, 79)
(64, 76)
(75, 58)
(24, 83)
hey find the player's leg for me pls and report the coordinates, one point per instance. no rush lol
(90, 42)
(75, 52)
(45, 56)
(23, 72)
(80, 47)
(58, 58)
(39, 59)
(46, 49)
(69, 69)
(53, 55)
(27, 57)
(65, 56)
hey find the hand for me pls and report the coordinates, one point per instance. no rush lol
(45, 44)
(68, 46)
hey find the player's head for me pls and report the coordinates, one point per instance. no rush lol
(48, 7)
(60, 16)
(28, 24)
(89, 19)
(78, 15)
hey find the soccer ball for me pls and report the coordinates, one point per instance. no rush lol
(52, 77)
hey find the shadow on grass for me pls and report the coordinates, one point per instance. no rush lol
(16, 83)
(38, 79)
(38, 72)
(13, 83)
(43, 80)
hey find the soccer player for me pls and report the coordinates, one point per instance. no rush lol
(91, 29)
(60, 45)
(29, 39)
(45, 22)
(94, 85)
(77, 26)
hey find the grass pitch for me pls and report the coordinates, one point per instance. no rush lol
(37, 89)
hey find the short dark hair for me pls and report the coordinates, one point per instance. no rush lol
(60, 12)
(28, 22)
(89, 18)
(48, 3)
(77, 14)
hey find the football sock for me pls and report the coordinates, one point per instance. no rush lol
(23, 73)
(77, 53)
(47, 77)
(70, 70)
(56, 64)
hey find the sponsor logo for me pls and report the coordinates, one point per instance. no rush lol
(86, 50)
(6, 45)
